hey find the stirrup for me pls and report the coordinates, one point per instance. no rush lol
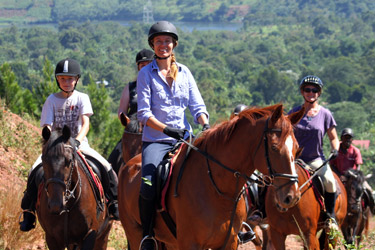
(148, 237)
(28, 226)
(244, 237)
(331, 224)
(26, 211)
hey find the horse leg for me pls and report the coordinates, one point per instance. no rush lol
(267, 243)
(53, 244)
(89, 241)
(312, 242)
(102, 241)
(277, 240)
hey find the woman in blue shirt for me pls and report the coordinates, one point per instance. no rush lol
(165, 89)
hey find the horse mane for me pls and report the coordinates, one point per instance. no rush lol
(357, 174)
(224, 130)
(55, 144)
(133, 126)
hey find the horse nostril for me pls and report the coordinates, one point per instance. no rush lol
(288, 200)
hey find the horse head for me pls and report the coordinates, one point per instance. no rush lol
(58, 165)
(131, 124)
(281, 148)
(273, 148)
(354, 180)
(132, 136)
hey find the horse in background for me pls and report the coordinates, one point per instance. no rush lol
(357, 218)
(67, 206)
(306, 218)
(130, 143)
(214, 173)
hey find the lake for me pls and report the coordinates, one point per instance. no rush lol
(185, 26)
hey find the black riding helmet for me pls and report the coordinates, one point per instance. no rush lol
(347, 131)
(162, 28)
(144, 56)
(310, 79)
(67, 67)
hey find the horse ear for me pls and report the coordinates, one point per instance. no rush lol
(66, 133)
(124, 119)
(296, 116)
(46, 133)
(276, 115)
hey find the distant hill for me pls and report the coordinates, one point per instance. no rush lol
(35, 11)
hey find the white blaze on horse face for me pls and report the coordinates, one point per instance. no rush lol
(289, 146)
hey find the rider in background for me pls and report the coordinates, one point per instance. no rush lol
(165, 88)
(72, 108)
(350, 157)
(309, 133)
(128, 104)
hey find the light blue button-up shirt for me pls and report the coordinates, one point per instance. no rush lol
(167, 104)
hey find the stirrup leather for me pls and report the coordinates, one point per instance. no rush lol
(147, 237)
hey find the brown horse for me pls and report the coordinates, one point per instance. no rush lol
(206, 209)
(67, 208)
(357, 218)
(305, 219)
(131, 138)
(130, 143)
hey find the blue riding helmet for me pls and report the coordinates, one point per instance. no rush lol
(311, 79)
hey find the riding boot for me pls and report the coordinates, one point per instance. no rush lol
(28, 205)
(147, 214)
(112, 195)
(330, 201)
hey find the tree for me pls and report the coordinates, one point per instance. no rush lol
(46, 86)
(18, 100)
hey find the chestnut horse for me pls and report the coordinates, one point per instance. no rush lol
(357, 218)
(206, 208)
(305, 218)
(67, 208)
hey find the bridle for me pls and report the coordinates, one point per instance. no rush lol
(66, 184)
(68, 193)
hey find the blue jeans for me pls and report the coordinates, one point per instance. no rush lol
(152, 155)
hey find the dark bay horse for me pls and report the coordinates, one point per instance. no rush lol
(206, 209)
(131, 138)
(67, 208)
(305, 218)
(357, 218)
(130, 143)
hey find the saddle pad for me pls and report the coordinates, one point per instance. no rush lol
(93, 178)
(165, 188)
(318, 196)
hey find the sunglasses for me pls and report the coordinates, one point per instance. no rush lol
(308, 90)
